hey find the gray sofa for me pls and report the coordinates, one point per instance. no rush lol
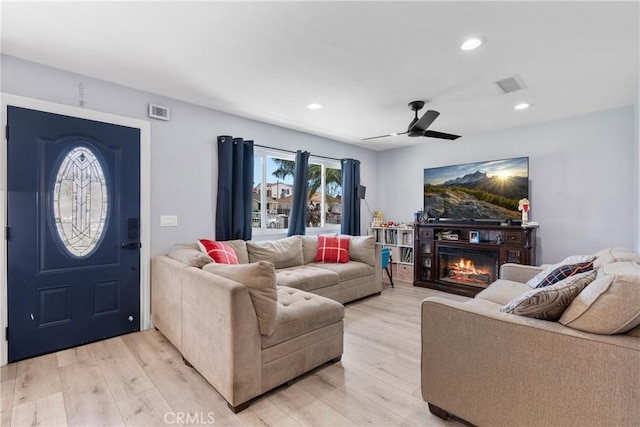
(492, 368)
(248, 328)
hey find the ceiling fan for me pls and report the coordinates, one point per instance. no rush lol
(418, 127)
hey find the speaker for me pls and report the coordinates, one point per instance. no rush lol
(361, 191)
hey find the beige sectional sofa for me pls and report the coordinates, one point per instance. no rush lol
(294, 259)
(248, 328)
(492, 368)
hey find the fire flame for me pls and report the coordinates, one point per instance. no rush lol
(467, 266)
(465, 271)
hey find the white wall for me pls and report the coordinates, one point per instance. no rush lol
(582, 171)
(636, 138)
(183, 150)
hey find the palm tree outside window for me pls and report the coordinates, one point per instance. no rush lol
(273, 176)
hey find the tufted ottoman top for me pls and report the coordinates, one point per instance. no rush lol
(300, 312)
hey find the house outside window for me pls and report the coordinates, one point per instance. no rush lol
(273, 192)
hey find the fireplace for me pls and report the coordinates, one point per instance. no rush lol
(467, 266)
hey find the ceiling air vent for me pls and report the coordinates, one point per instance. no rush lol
(158, 112)
(511, 84)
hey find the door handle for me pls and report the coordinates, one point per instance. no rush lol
(132, 246)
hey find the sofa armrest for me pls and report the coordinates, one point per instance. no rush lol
(378, 276)
(518, 272)
(220, 334)
(166, 297)
(493, 368)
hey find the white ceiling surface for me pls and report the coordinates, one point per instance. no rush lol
(364, 61)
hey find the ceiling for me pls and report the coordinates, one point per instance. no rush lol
(364, 61)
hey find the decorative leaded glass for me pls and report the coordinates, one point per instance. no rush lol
(80, 201)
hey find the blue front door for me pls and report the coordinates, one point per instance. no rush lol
(73, 237)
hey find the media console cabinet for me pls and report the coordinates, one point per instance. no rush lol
(464, 258)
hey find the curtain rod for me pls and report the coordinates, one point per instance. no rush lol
(294, 152)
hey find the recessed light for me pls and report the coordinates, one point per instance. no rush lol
(471, 44)
(314, 106)
(522, 106)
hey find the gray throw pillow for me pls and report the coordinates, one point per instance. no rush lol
(260, 280)
(190, 254)
(610, 305)
(282, 253)
(363, 249)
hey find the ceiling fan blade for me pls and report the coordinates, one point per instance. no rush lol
(441, 135)
(383, 136)
(425, 121)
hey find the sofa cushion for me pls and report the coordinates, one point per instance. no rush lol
(502, 291)
(260, 280)
(614, 254)
(190, 254)
(240, 247)
(609, 305)
(563, 272)
(483, 304)
(549, 302)
(348, 271)
(306, 277)
(573, 259)
(309, 248)
(282, 253)
(363, 249)
(333, 249)
(635, 332)
(220, 252)
(301, 312)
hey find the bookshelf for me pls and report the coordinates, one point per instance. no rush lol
(400, 241)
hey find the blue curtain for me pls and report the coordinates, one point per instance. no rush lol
(350, 202)
(235, 188)
(298, 215)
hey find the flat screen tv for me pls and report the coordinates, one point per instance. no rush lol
(476, 191)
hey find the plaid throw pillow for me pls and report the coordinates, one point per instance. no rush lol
(333, 249)
(220, 252)
(565, 271)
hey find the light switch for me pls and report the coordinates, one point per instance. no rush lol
(168, 220)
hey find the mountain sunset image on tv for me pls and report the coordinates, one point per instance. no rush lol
(471, 191)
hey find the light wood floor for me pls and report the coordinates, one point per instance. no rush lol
(140, 380)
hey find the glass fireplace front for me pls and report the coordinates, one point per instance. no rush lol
(467, 266)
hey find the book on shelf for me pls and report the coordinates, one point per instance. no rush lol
(408, 255)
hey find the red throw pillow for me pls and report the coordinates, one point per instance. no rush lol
(333, 249)
(220, 252)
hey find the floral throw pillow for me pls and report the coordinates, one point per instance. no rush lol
(549, 303)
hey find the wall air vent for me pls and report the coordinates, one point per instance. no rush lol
(511, 84)
(158, 112)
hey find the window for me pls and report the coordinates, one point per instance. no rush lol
(80, 202)
(273, 178)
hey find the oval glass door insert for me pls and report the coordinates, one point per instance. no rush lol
(80, 202)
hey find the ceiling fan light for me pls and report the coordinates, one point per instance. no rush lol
(472, 43)
(522, 106)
